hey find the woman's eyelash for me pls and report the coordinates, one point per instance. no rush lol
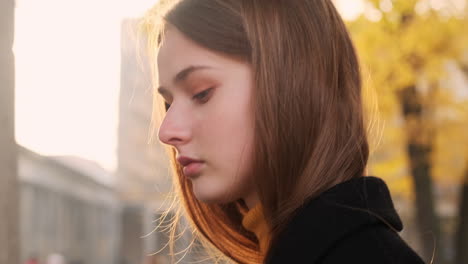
(202, 96)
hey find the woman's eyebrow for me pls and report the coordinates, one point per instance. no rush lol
(182, 76)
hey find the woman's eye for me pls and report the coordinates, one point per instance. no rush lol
(203, 96)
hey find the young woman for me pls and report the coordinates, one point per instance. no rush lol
(263, 114)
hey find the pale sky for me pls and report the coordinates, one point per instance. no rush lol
(68, 71)
(67, 75)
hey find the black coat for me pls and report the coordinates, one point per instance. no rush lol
(327, 230)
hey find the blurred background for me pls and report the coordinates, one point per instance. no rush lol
(81, 184)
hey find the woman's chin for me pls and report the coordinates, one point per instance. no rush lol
(208, 198)
(205, 195)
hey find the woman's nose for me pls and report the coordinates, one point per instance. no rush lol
(174, 130)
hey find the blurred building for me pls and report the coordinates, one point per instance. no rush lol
(142, 168)
(66, 210)
(9, 238)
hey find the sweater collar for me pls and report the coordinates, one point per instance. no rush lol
(342, 209)
(254, 221)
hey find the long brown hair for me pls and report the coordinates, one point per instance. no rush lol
(309, 124)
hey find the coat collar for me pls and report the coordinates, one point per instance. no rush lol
(337, 212)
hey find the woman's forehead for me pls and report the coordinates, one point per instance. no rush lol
(176, 49)
(178, 52)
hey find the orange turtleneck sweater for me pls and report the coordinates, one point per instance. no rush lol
(254, 221)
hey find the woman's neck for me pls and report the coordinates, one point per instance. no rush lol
(251, 200)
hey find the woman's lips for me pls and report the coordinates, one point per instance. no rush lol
(193, 169)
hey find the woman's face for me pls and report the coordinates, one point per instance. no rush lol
(209, 120)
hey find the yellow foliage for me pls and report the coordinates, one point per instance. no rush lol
(409, 48)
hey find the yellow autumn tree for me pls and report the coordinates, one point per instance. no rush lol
(406, 49)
